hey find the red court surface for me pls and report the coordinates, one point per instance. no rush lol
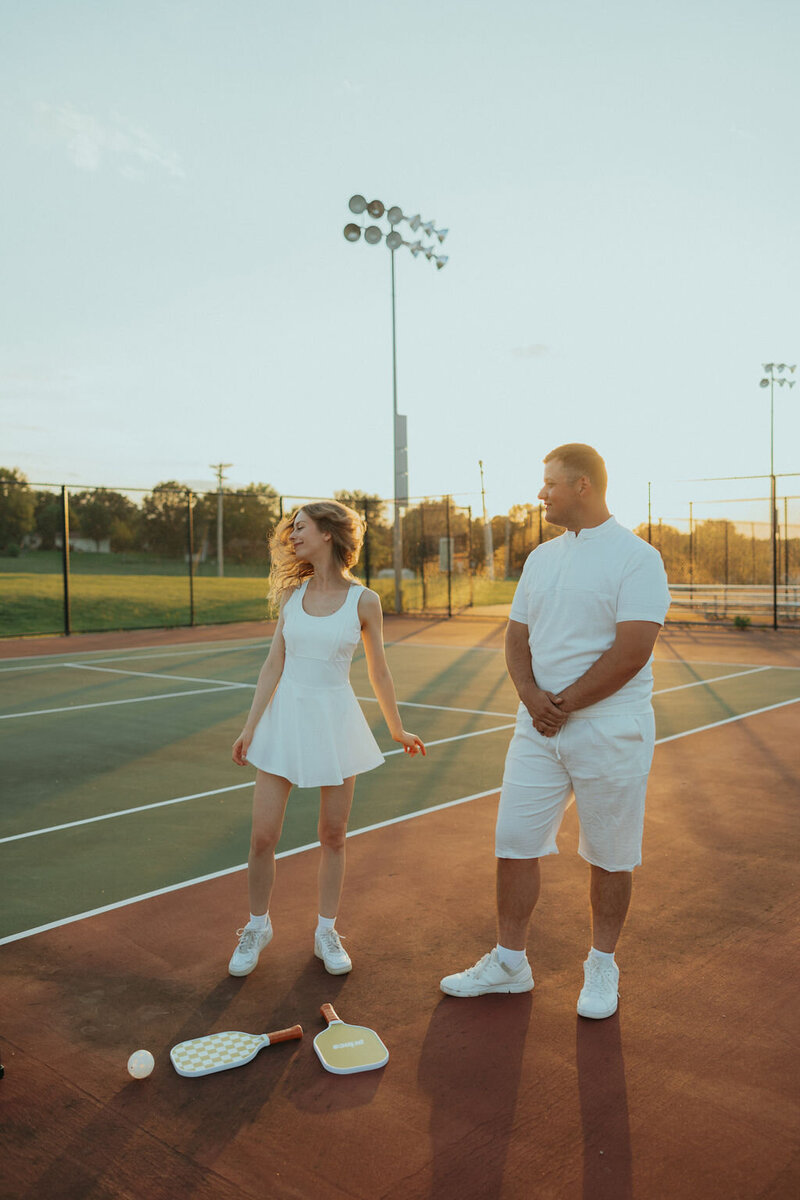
(690, 1091)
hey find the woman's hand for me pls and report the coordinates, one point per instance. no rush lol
(410, 742)
(241, 746)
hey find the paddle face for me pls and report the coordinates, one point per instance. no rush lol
(345, 1049)
(222, 1051)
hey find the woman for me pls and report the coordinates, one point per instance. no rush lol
(305, 726)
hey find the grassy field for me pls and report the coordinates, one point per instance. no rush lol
(32, 601)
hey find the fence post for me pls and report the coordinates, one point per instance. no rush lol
(469, 556)
(691, 555)
(422, 552)
(449, 559)
(366, 543)
(190, 540)
(65, 556)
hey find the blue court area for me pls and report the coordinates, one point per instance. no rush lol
(118, 783)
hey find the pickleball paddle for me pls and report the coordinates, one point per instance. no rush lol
(345, 1049)
(221, 1051)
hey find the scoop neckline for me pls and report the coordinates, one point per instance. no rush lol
(324, 616)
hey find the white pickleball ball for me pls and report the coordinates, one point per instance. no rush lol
(140, 1064)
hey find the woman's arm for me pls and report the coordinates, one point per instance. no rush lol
(268, 678)
(371, 616)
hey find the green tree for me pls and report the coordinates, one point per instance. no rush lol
(48, 518)
(102, 513)
(248, 518)
(377, 514)
(17, 507)
(164, 517)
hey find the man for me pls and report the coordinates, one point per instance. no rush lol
(579, 645)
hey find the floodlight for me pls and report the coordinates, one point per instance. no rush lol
(768, 366)
(357, 204)
(428, 226)
(764, 383)
(415, 248)
(415, 222)
(780, 368)
(429, 252)
(442, 234)
(352, 232)
(394, 240)
(375, 209)
(441, 261)
(372, 234)
(793, 368)
(394, 215)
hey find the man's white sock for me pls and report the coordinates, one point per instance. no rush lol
(601, 955)
(510, 958)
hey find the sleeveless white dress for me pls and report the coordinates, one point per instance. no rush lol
(313, 731)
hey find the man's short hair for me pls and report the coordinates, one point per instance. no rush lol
(580, 459)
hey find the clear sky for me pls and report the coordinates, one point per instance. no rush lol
(621, 185)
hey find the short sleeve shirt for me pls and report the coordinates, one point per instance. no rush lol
(573, 592)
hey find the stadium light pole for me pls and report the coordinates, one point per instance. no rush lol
(373, 235)
(769, 380)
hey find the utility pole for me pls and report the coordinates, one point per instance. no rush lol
(219, 468)
(487, 531)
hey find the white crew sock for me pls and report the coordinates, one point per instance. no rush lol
(258, 922)
(601, 955)
(510, 958)
(325, 923)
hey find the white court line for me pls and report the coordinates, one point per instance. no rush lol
(55, 660)
(176, 887)
(717, 679)
(150, 674)
(478, 712)
(14, 937)
(40, 712)
(126, 812)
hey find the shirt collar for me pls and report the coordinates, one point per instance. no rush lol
(586, 535)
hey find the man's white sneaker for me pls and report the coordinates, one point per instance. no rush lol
(251, 942)
(489, 975)
(600, 995)
(328, 947)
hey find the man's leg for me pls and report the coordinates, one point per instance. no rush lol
(518, 885)
(610, 895)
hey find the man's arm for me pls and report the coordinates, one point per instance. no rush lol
(630, 651)
(547, 717)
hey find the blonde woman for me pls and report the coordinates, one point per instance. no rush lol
(305, 726)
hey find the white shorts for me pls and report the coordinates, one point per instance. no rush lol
(604, 762)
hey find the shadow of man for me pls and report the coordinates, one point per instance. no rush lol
(470, 1066)
(607, 1171)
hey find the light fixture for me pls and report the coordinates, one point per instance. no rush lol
(375, 209)
(395, 215)
(394, 240)
(441, 262)
(352, 232)
(357, 204)
(373, 235)
(442, 234)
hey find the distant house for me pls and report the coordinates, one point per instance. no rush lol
(103, 546)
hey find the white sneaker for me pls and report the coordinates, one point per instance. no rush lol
(251, 942)
(328, 947)
(489, 975)
(600, 995)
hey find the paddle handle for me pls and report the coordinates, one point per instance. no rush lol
(285, 1035)
(329, 1013)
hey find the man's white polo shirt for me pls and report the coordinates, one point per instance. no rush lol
(573, 592)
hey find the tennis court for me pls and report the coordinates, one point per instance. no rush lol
(124, 835)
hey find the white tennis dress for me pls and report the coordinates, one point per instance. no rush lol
(313, 731)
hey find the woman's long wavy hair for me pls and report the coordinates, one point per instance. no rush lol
(344, 525)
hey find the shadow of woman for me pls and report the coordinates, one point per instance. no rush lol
(607, 1173)
(470, 1066)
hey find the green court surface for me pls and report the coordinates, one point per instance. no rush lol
(117, 779)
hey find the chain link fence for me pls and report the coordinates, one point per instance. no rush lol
(85, 559)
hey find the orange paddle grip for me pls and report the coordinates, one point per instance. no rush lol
(329, 1013)
(285, 1035)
